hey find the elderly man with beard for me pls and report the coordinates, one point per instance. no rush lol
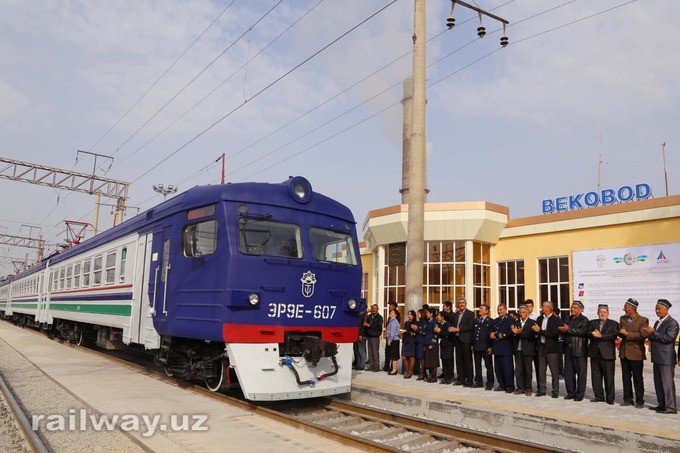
(632, 353)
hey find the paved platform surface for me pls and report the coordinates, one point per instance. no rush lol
(113, 389)
(525, 417)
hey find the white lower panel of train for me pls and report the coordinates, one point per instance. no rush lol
(263, 378)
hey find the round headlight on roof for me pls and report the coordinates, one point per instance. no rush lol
(300, 189)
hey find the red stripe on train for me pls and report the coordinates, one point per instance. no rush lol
(254, 333)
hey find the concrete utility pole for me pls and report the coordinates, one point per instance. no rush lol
(407, 111)
(416, 190)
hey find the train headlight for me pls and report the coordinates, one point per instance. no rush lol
(352, 304)
(300, 189)
(254, 299)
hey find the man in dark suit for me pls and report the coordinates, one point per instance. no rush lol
(548, 355)
(502, 338)
(602, 353)
(481, 345)
(360, 344)
(663, 336)
(463, 323)
(575, 330)
(374, 328)
(632, 353)
(524, 350)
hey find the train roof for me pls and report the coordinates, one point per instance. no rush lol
(269, 194)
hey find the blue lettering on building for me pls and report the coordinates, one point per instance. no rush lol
(605, 197)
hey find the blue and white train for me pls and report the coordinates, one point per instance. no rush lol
(247, 284)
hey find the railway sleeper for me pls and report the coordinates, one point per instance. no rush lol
(412, 441)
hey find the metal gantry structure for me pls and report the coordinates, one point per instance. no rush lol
(58, 178)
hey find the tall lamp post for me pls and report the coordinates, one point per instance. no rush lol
(165, 191)
(417, 185)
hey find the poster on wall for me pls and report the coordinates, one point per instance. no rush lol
(610, 276)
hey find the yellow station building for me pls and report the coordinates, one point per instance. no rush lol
(476, 249)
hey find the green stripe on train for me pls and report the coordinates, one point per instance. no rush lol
(27, 306)
(120, 310)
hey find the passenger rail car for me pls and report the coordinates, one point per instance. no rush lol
(250, 283)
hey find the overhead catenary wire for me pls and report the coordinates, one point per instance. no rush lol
(432, 84)
(211, 92)
(201, 72)
(267, 87)
(172, 65)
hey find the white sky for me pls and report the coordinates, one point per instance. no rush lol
(526, 123)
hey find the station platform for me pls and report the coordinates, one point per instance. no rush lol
(111, 389)
(565, 424)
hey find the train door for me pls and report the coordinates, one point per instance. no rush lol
(161, 266)
(141, 324)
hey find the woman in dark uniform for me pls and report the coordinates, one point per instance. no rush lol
(445, 347)
(420, 343)
(408, 348)
(431, 346)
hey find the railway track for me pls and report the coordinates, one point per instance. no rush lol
(16, 424)
(358, 426)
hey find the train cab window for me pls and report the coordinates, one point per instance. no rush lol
(200, 239)
(262, 237)
(110, 268)
(97, 271)
(86, 273)
(76, 275)
(123, 259)
(332, 246)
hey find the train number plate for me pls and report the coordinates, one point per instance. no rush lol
(299, 311)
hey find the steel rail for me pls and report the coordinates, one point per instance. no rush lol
(465, 435)
(31, 437)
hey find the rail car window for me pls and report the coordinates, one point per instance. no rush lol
(55, 277)
(261, 237)
(332, 247)
(110, 268)
(97, 271)
(69, 276)
(200, 239)
(86, 273)
(166, 260)
(76, 275)
(62, 272)
(123, 259)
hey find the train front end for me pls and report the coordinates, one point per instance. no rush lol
(295, 285)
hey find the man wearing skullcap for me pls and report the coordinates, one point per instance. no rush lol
(663, 336)
(632, 353)
(602, 353)
(524, 350)
(576, 330)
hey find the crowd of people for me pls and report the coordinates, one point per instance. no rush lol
(480, 352)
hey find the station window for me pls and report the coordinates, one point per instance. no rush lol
(86, 272)
(553, 281)
(97, 271)
(110, 268)
(123, 259)
(364, 285)
(481, 268)
(262, 237)
(332, 246)
(444, 272)
(200, 239)
(76, 275)
(511, 283)
(69, 277)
